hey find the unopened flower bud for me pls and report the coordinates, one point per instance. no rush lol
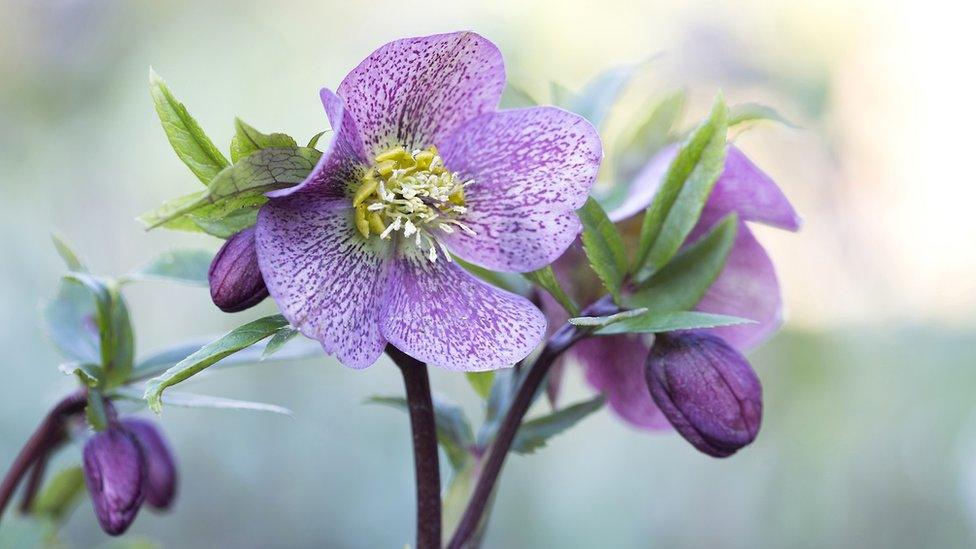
(115, 472)
(706, 389)
(161, 475)
(235, 278)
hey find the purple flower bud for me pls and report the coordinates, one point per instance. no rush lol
(235, 278)
(161, 475)
(706, 389)
(115, 472)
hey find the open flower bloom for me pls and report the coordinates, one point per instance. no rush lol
(422, 166)
(747, 286)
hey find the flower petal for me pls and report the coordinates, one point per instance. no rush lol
(645, 185)
(414, 92)
(326, 279)
(747, 288)
(441, 314)
(614, 365)
(531, 169)
(342, 160)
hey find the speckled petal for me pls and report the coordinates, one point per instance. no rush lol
(747, 288)
(326, 279)
(741, 188)
(532, 168)
(342, 161)
(440, 314)
(614, 365)
(414, 92)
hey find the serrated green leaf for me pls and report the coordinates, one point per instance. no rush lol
(67, 254)
(186, 266)
(535, 433)
(235, 340)
(481, 382)
(677, 205)
(453, 428)
(754, 112)
(278, 340)
(243, 185)
(116, 342)
(61, 494)
(191, 144)
(601, 321)
(545, 278)
(514, 97)
(680, 285)
(646, 134)
(248, 140)
(655, 322)
(604, 247)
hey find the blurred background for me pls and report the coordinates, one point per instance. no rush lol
(869, 437)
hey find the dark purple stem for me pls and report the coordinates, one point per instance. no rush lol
(46, 435)
(563, 339)
(426, 459)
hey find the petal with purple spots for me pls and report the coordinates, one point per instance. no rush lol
(530, 170)
(325, 277)
(441, 314)
(414, 92)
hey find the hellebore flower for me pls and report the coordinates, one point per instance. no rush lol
(115, 473)
(235, 278)
(161, 475)
(747, 287)
(422, 166)
(706, 389)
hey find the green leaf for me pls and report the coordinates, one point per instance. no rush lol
(653, 322)
(315, 139)
(70, 321)
(754, 112)
(194, 148)
(481, 382)
(67, 254)
(186, 266)
(242, 185)
(160, 361)
(116, 342)
(248, 140)
(453, 428)
(601, 321)
(163, 216)
(507, 281)
(680, 285)
(192, 400)
(514, 97)
(646, 134)
(278, 340)
(535, 433)
(87, 373)
(604, 247)
(227, 225)
(686, 186)
(61, 494)
(595, 100)
(95, 410)
(545, 278)
(235, 340)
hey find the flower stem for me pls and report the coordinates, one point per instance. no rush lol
(39, 444)
(426, 459)
(561, 340)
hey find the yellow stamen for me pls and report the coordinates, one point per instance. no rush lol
(361, 223)
(369, 186)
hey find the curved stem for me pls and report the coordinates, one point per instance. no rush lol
(426, 459)
(39, 444)
(563, 339)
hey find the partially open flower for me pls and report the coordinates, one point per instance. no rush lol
(115, 473)
(161, 474)
(707, 390)
(235, 279)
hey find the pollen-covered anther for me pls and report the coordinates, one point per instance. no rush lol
(412, 193)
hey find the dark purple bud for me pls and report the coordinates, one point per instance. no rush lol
(115, 472)
(161, 475)
(235, 278)
(706, 389)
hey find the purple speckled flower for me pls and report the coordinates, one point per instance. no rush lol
(422, 166)
(747, 286)
(161, 474)
(115, 473)
(707, 390)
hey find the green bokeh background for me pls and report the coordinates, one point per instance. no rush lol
(869, 436)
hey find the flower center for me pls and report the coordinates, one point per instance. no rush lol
(412, 193)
